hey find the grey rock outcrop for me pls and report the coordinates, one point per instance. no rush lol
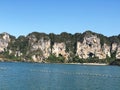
(118, 53)
(60, 49)
(91, 47)
(39, 47)
(4, 40)
(106, 50)
(114, 47)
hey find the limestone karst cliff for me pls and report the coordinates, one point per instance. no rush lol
(4, 40)
(38, 47)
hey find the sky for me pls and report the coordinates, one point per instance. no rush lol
(21, 17)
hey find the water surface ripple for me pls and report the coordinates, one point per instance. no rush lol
(35, 76)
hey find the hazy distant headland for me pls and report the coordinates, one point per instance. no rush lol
(87, 47)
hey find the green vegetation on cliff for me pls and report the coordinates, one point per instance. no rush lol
(36, 46)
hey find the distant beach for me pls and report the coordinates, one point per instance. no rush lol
(100, 64)
(95, 64)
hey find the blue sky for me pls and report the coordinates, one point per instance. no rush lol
(20, 17)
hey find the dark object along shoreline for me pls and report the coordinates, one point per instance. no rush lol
(116, 62)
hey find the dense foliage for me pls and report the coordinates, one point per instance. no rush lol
(22, 44)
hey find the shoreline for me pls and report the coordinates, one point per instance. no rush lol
(92, 64)
(97, 64)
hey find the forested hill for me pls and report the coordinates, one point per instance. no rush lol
(60, 48)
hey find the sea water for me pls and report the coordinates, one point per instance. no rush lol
(36, 76)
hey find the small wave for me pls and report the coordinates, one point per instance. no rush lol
(3, 68)
(77, 73)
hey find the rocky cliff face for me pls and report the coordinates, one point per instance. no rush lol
(39, 46)
(114, 47)
(59, 49)
(4, 40)
(91, 47)
(118, 52)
